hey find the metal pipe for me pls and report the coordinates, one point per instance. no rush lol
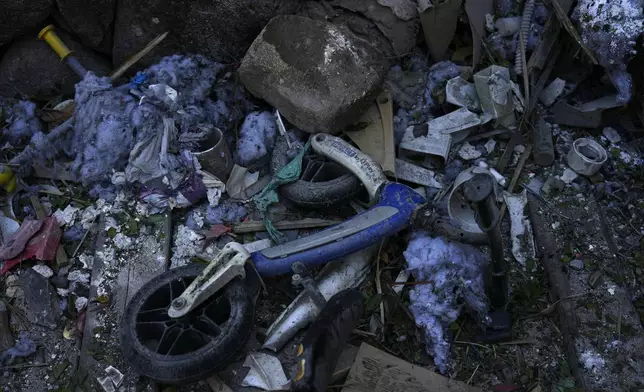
(479, 191)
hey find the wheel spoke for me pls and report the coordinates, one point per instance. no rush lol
(218, 310)
(168, 339)
(206, 326)
(174, 344)
(153, 316)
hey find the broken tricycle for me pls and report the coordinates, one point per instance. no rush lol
(191, 321)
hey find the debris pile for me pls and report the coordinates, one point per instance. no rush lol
(441, 201)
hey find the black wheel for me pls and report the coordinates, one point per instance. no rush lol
(190, 348)
(323, 183)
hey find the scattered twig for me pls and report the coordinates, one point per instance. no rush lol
(473, 373)
(567, 24)
(552, 307)
(518, 342)
(91, 225)
(138, 56)
(26, 365)
(471, 344)
(379, 286)
(412, 283)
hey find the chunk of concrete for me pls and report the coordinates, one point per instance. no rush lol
(320, 76)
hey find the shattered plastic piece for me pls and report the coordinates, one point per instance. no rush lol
(43, 270)
(418, 175)
(495, 93)
(458, 120)
(265, 372)
(348, 272)
(565, 114)
(456, 271)
(462, 93)
(468, 152)
(612, 135)
(240, 179)
(16, 242)
(550, 94)
(256, 137)
(106, 383)
(115, 375)
(553, 184)
(523, 247)
(489, 145)
(569, 176)
(586, 156)
(434, 144)
(42, 246)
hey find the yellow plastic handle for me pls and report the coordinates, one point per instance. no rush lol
(7, 179)
(49, 35)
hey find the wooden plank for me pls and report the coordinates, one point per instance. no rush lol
(377, 371)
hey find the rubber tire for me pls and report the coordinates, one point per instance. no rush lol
(201, 364)
(315, 195)
(322, 194)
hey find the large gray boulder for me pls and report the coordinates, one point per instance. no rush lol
(90, 20)
(30, 67)
(221, 30)
(320, 76)
(17, 17)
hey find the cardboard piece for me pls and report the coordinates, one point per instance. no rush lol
(376, 139)
(377, 371)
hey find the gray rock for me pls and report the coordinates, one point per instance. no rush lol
(17, 17)
(30, 67)
(221, 30)
(41, 300)
(320, 76)
(576, 264)
(397, 20)
(59, 282)
(91, 20)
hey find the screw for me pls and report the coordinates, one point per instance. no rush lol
(179, 303)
